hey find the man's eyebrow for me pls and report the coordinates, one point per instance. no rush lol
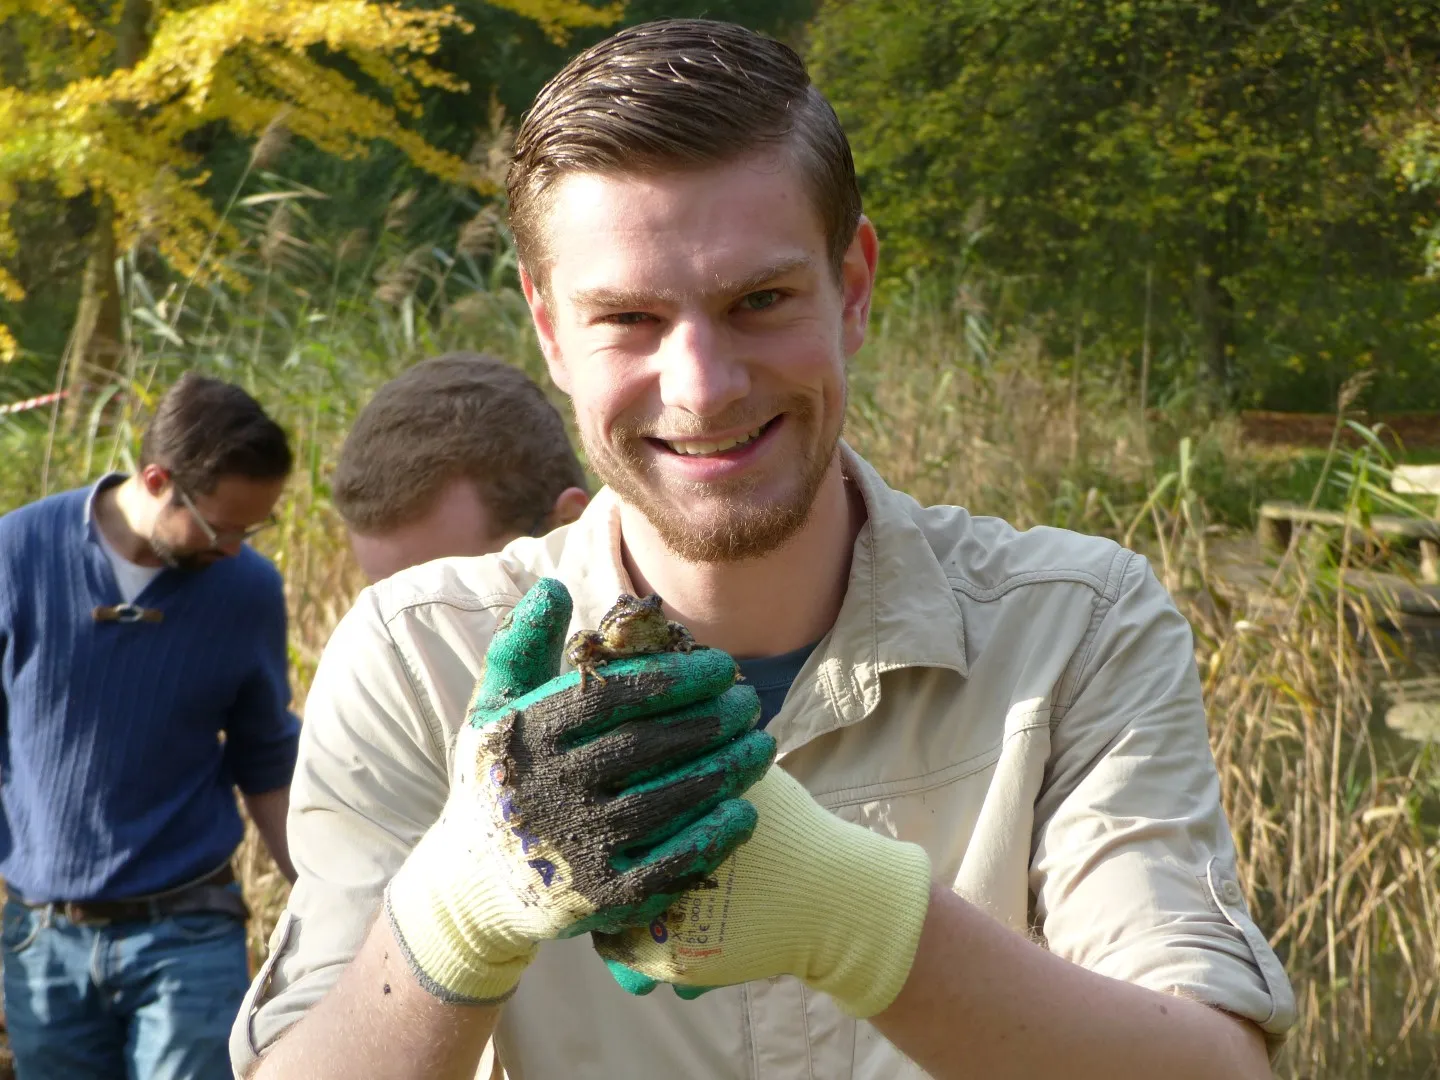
(614, 299)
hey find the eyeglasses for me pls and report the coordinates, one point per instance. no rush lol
(221, 536)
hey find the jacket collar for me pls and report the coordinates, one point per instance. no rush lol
(899, 610)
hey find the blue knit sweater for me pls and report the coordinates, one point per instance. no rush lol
(121, 743)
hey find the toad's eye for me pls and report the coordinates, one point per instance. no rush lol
(760, 300)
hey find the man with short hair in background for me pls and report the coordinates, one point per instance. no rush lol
(459, 455)
(143, 676)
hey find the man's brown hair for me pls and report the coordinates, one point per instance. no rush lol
(205, 429)
(459, 415)
(679, 94)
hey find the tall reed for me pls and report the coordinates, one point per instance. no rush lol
(1337, 824)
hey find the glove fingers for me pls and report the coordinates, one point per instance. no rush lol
(524, 652)
(640, 750)
(630, 980)
(691, 855)
(642, 889)
(690, 993)
(633, 689)
(648, 814)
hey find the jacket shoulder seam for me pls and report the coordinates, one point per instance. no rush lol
(1029, 577)
(1074, 677)
(471, 603)
(480, 602)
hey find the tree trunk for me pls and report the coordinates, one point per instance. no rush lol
(1075, 393)
(12, 57)
(132, 37)
(1145, 362)
(1222, 248)
(1215, 313)
(96, 341)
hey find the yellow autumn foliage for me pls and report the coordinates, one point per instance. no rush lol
(86, 128)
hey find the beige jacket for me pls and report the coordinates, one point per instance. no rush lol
(1023, 704)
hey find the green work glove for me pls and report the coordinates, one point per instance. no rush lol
(573, 808)
(809, 895)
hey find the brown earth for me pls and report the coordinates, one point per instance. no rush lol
(1412, 430)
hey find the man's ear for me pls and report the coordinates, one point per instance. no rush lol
(569, 505)
(538, 300)
(857, 283)
(154, 479)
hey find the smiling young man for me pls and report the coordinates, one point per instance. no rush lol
(143, 676)
(992, 844)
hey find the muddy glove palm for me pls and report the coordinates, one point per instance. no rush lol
(808, 894)
(573, 808)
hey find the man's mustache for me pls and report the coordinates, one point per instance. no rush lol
(692, 427)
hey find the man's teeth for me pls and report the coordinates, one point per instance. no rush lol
(695, 446)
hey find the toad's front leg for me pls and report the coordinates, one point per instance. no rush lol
(586, 667)
(584, 651)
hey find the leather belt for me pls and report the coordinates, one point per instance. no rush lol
(209, 894)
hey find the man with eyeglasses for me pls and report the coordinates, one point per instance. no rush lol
(143, 677)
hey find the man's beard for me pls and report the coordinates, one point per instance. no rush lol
(744, 531)
(187, 561)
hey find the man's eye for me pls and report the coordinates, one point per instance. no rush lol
(628, 318)
(759, 301)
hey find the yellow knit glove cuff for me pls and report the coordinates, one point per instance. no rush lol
(448, 924)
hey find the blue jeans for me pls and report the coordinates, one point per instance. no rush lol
(141, 1000)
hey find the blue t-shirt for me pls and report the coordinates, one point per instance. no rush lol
(121, 743)
(771, 676)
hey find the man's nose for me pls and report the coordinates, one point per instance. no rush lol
(699, 370)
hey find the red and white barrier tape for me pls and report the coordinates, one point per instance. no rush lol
(32, 403)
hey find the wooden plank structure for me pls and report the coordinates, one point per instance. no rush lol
(1277, 519)
(1422, 480)
(1414, 711)
(1412, 704)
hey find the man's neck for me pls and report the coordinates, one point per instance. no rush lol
(124, 515)
(760, 607)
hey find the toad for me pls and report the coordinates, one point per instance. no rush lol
(633, 627)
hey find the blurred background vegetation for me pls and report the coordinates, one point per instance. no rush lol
(1125, 245)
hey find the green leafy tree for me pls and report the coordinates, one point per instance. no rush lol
(1225, 149)
(512, 56)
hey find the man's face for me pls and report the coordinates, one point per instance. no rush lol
(209, 527)
(697, 325)
(457, 524)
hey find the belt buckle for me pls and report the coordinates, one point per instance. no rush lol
(78, 916)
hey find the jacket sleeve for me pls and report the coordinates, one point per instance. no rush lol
(1134, 867)
(370, 780)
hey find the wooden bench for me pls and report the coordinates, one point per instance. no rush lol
(1416, 480)
(1422, 480)
(1278, 520)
